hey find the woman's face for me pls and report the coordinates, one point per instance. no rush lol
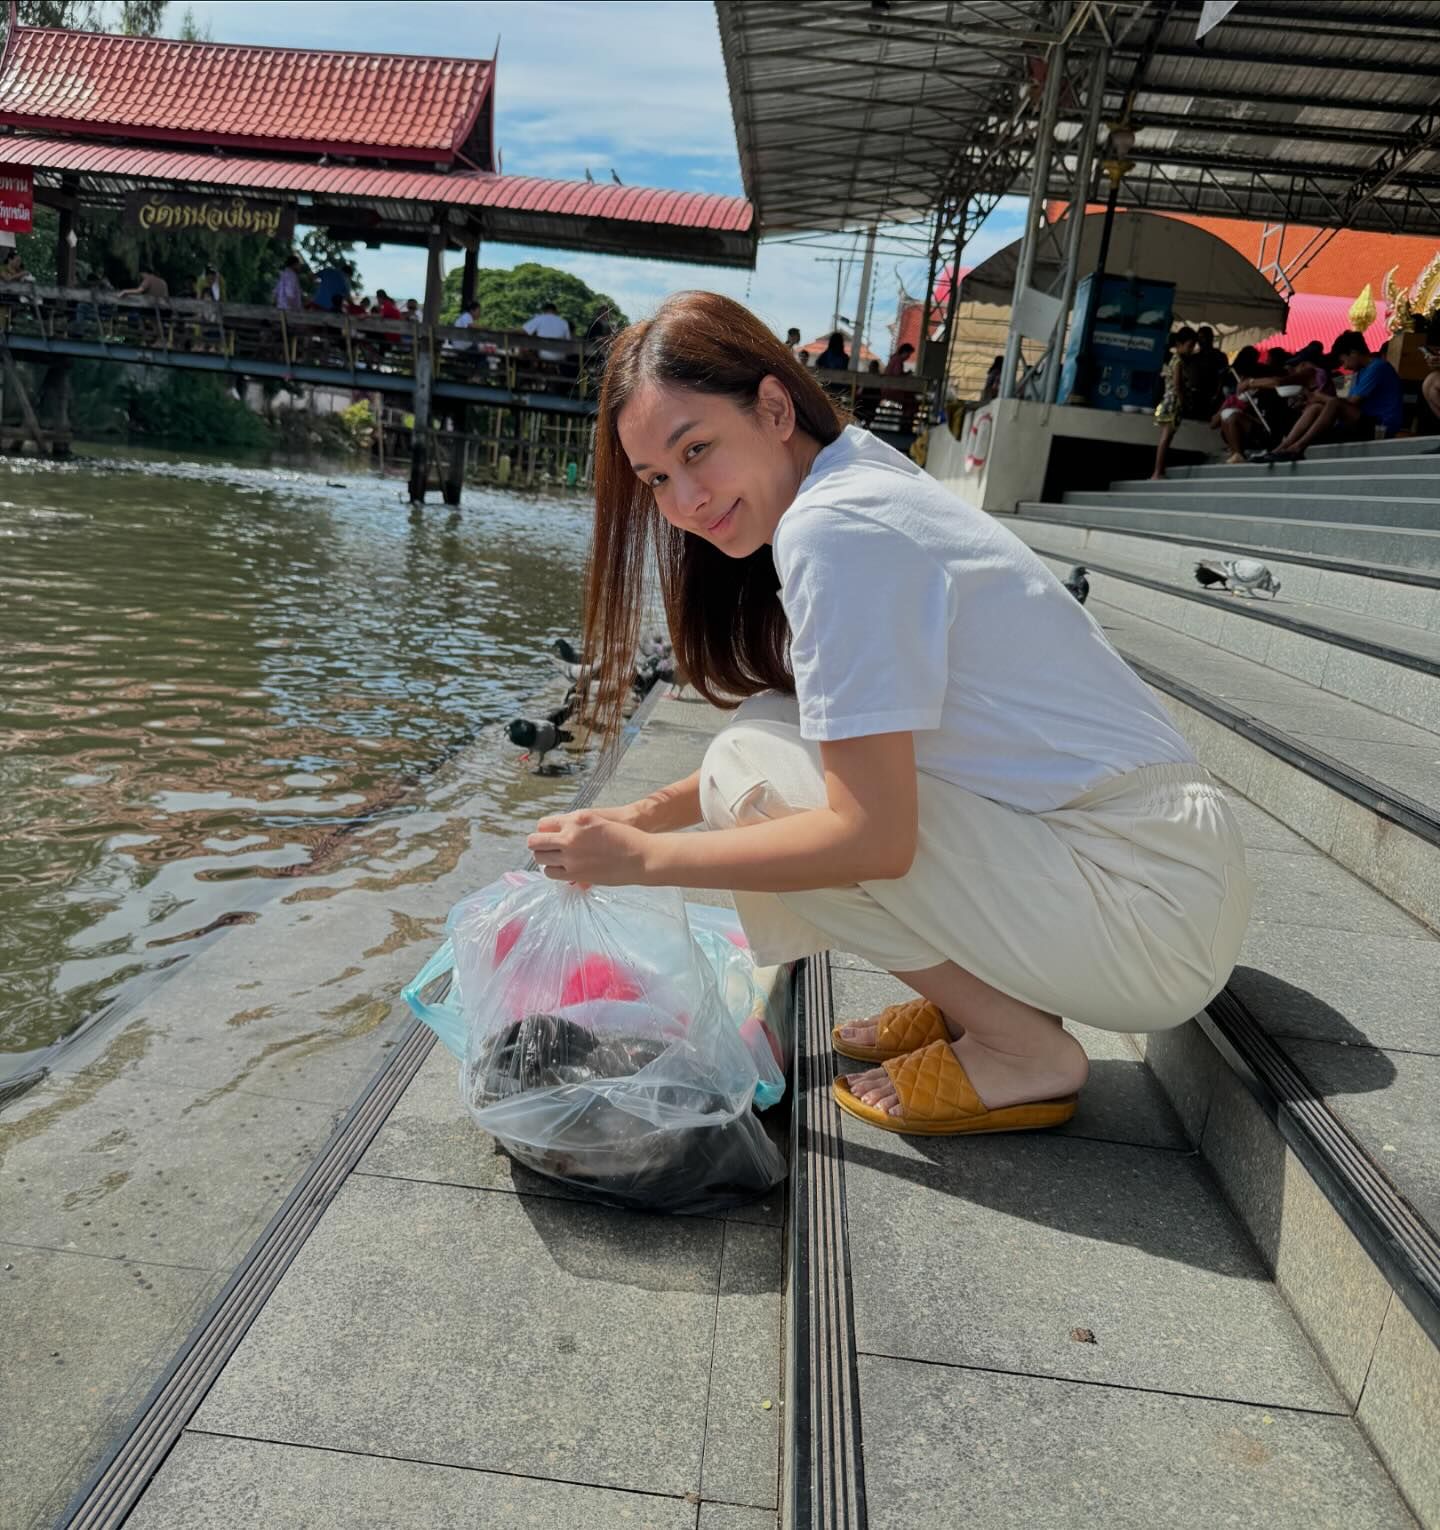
(724, 473)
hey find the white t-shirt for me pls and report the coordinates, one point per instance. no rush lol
(911, 611)
(549, 326)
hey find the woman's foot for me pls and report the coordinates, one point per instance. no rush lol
(999, 1078)
(1236, 459)
(865, 1033)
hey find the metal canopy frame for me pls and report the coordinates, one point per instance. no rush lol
(861, 112)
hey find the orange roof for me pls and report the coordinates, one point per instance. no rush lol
(1343, 266)
(1340, 268)
(285, 100)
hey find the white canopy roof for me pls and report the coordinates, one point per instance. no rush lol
(1213, 282)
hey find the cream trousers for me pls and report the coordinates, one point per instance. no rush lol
(1124, 909)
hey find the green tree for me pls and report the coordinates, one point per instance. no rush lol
(136, 18)
(191, 30)
(509, 297)
(320, 248)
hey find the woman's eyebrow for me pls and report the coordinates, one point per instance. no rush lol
(670, 440)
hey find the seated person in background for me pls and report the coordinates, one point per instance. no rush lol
(14, 269)
(991, 389)
(548, 325)
(898, 366)
(1430, 383)
(1375, 400)
(150, 286)
(1311, 367)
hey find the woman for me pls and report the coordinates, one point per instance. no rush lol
(940, 763)
(1171, 408)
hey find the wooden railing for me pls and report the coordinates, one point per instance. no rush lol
(364, 351)
(343, 343)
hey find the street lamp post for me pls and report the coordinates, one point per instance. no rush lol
(1117, 166)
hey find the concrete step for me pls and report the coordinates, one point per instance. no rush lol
(1391, 551)
(1115, 1310)
(1402, 446)
(1415, 512)
(1362, 787)
(1420, 465)
(1393, 669)
(1409, 600)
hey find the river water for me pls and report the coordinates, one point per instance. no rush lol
(217, 679)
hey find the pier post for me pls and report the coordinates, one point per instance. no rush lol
(55, 382)
(425, 368)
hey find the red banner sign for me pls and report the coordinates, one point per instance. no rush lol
(17, 199)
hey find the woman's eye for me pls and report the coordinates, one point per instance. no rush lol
(657, 480)
(692, 451)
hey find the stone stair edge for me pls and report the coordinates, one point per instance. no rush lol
(1265, 612)
(1045, 513)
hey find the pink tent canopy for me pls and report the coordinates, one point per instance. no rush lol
(1313, 317)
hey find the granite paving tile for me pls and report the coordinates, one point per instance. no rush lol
(1307, 890)
(507, 1333)
(1380, 990)
(1400, 1406)
(1387, 1100)
(742, 1433)
(1263, 831)
(1405, 767)
(1056, 1455)
(1038, 1236)
(215, 1482)
(85, 1338)
(145, 1172)
(724, 1516)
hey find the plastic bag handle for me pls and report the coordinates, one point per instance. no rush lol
(444, 1022)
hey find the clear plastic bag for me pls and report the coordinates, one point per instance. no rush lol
(598, 1047)
(757, 998)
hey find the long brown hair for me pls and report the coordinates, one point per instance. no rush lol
(726, 622)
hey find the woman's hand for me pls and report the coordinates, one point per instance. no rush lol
(595, 847)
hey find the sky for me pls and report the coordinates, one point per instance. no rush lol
(637, 86)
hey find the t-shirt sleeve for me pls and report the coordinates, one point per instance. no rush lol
(1366, 382)
(870, 612)
(530, 327)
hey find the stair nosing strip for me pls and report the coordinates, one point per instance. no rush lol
(823, 1429)
(1387, 572)
(115, 1485)
(1263, 613)
(1403, 1246)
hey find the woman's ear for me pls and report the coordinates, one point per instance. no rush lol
(775, 407)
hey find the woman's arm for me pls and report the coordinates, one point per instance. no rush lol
(676, 806)
(866, 832)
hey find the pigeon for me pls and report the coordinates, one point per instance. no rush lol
(539, 737)
(1077, 583)
(567, 650)
(1238, 576)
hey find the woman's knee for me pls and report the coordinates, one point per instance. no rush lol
(758, 767)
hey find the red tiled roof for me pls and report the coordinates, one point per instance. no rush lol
(276, 100)
(942, 282)
(702, 225)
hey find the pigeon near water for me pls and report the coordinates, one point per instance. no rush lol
(1077, 583)
(540, 736)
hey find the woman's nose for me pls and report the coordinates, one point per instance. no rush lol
(691, 496)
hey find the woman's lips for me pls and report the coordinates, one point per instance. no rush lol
(724, 519)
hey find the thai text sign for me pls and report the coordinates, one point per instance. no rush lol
(17, 199)
(178, 212)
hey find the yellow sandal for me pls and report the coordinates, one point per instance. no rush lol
(903, 1028)
(937, 1099)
